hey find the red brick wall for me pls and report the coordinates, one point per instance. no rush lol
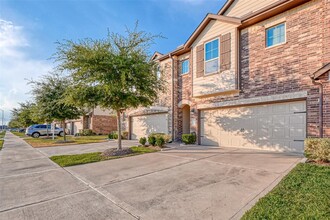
(282, 69)
(326, 31)
(285, 68)
(102, 124)
(326, 104)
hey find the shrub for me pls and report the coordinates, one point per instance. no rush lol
(318, 149)
(143, 141)
(86, 132)
(152, 140)
(160, 141)
(189, 138)
(167, 138)
(113, 135)
(124, 135)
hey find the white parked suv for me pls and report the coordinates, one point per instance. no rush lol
(41, 130)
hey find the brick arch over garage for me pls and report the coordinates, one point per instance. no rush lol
(183, 103)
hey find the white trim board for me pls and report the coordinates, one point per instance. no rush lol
(256, 100)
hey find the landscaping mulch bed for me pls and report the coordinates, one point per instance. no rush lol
(115, 152)
(318, 162)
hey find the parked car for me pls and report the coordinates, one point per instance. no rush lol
(41, 130)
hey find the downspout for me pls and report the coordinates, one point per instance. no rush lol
(320, 105)
(172, 72)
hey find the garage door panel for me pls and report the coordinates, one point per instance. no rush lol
(297, 146)
(297, 107)
(297, 133)
(142, 126)
(298, 119)
(271, 127)
(280, 109)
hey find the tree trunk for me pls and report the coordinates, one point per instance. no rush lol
(47, 130)
(119, 129)
(64, 135)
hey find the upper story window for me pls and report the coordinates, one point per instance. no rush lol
(158, 73)
(275, 35)
(185, 67)
(212, 56)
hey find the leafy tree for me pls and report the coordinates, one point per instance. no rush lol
(14, 123)
(49, 94)
(113, 73)
(23, 115)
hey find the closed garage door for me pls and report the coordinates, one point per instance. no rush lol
(142, 126)
(77, 126)
(278, 127)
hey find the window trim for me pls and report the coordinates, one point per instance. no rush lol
(206, 74)
(278, 44)
(182, 61)
(158, 73)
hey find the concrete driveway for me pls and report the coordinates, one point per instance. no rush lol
(176, 184)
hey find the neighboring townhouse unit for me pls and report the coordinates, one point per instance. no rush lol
(98, 120)
(255, 75)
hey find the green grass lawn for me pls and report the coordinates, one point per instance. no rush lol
(19, 134)
(2, 135)
(48, 142)
(71, 160)
(303, 194)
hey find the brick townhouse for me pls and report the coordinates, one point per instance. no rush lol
(98, 120)
(254, 75)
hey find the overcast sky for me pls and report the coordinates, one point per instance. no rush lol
(29, 28)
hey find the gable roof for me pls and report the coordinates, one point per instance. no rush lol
(225, 7)
(321, 71)
(209, 17)
(156, 55)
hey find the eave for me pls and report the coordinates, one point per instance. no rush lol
(205, 22)
(225, 7)
(270, 11)
(321, 71)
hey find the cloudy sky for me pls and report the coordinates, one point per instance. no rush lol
(29, 28)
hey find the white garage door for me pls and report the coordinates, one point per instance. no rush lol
(142, 126)
(277, 127)
(77, 126)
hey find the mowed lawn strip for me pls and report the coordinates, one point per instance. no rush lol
(49, 142)
(2, 135)
(19, 134)
(303, 194)
(71, 160)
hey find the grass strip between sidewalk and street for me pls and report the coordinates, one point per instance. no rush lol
(303, 194)
(71, 160)
(71, 140)
(2, 135)
(19, 134)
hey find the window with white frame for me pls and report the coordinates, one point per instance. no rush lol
(158, 73)
(275, 35)
(212, 56)
(184, 66)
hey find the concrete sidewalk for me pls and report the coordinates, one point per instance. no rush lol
(33, 187)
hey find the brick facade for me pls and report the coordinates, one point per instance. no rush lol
(281, 69)
(103, 124)
(262, 71)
